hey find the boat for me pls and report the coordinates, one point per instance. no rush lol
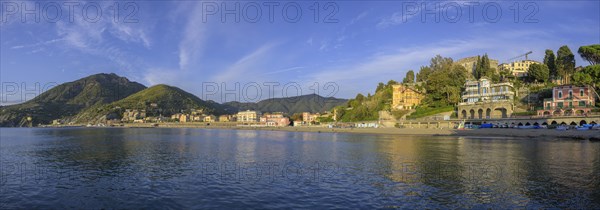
(486, 125)
(562, 128)
(596, 127)
(582, 128)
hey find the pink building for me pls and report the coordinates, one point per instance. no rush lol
(569, 100)
(275, 119)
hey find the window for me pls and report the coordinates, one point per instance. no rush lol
(570, 94)
(581, 103)
(581, 92)
(560, 104)
(560, 94)
(571, 104)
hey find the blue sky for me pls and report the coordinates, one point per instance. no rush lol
(183, 43)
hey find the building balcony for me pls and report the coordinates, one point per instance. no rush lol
(565, 107)
(467, 95)
(484, 102)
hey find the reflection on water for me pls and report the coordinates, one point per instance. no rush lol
(197, 168)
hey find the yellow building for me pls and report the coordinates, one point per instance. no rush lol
(226, 118)
(184, 118)
(406, 97)
(308, 117)
(248, 116)
(518, 68)
(210, 118)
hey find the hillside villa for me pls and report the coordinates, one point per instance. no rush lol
(568, 100)
(309, 118)
(484, 100)
(406, 97)
(518, 68)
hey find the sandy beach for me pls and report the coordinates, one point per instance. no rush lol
(491, 132)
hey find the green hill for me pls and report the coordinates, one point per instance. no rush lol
(306, 103)
(69, 99)
(157, 100)
(366, 108)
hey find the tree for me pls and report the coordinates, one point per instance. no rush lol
(410, 77)
(423, 73)
(565, 63)
(438, 63)
(538, 72)
(296, 117)
(483, 69)
(360, 97)
(380, 86)
(487, 71)
(392, 82)
(590, 53)
(444, 84)
(590, 75)
(478, 70)
(550, 61)
(580, 78)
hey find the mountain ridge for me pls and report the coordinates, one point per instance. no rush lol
(158, 100)
(68, 99)
(105, 96)
(305, 103)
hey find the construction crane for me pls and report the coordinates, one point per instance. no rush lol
(514, 58)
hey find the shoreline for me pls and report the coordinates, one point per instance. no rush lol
(593, 135)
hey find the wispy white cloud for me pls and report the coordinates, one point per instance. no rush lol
(285, 70)
(324, 45)
(395, 19)
(309, 41)
(194, 35)
(243, 68)
(98, 38)
(415, 10)
(359, 17)
(383, 66)
(39, 44)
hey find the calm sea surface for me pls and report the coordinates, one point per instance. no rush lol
(196, 168)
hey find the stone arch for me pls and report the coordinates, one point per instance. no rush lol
(593, 123)
(488, 113)
(500, 112)
(557, 113)
(546, 113)
(520, 124)
(579, 112)
(536, 124)
(527, 124)
(582, 122)
(544, 123)
(472, 112)
(563, 123)
(568, 112)
(573, 123)
(553, 122)
(464, 114)
(480, 113)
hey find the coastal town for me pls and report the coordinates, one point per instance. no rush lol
(506, 95)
